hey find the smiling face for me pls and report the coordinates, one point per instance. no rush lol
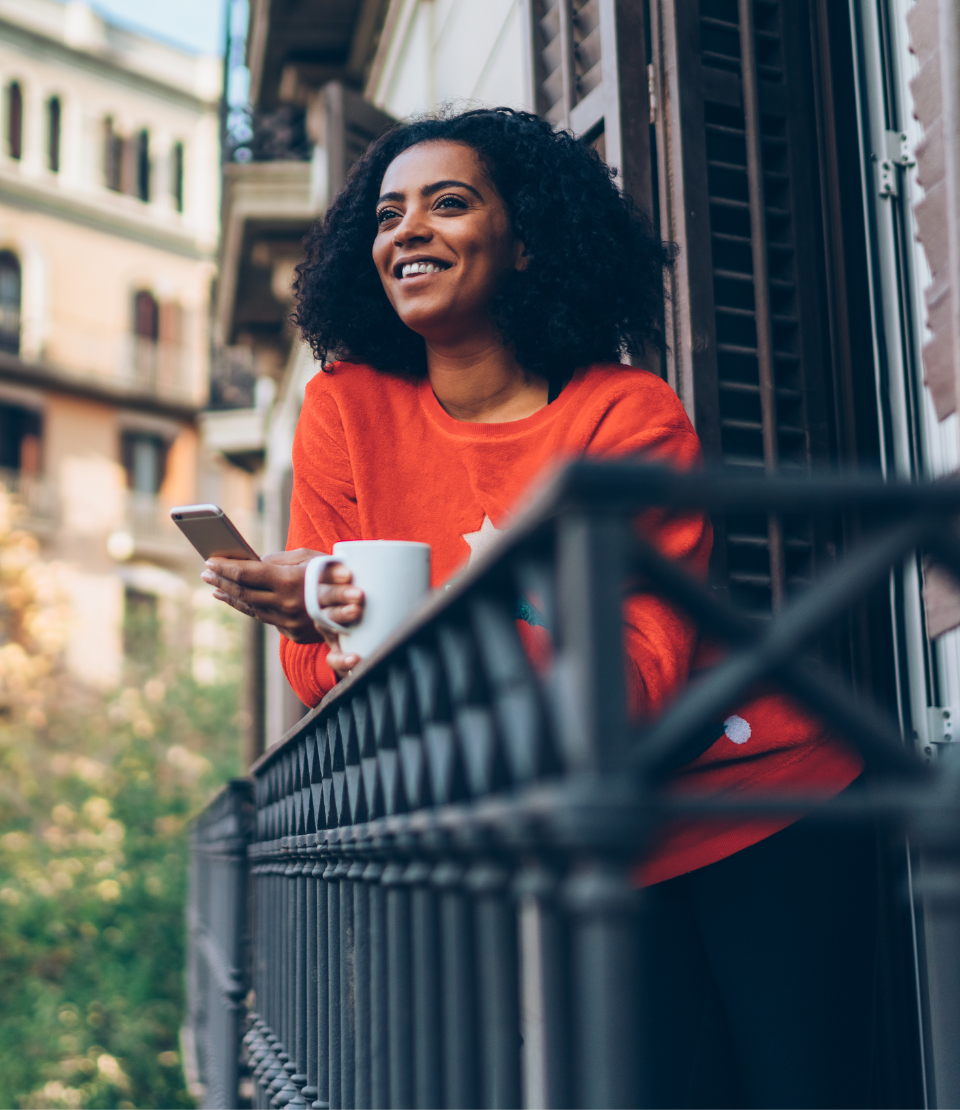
(444, 242)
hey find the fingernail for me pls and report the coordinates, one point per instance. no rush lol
(208, 576)
(353, 594)
(351, 659)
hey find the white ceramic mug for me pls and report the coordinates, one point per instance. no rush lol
(393, 574)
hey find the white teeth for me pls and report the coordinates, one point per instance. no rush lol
(420, 268)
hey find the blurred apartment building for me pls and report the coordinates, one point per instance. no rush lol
(109, 189)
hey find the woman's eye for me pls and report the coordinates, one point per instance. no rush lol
(451, 202)
(387, 214)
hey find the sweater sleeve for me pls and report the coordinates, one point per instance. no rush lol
(323, 510)
(660, 638)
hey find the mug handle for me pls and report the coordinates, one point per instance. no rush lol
(311, 582)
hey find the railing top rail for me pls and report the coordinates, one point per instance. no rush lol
(621, 487)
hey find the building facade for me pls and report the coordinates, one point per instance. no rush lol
(109, 189)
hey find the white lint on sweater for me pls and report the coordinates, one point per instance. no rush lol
(737, 729)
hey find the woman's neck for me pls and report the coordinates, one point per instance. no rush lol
(484, 385)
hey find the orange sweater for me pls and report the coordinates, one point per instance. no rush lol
(376, 457)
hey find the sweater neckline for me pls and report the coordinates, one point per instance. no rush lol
(474, 429)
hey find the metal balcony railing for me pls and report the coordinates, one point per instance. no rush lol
(441, 851)
(217, 927)
(36, 495)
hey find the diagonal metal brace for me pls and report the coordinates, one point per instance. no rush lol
(775, 653)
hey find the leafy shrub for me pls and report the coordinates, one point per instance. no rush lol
(95, 795)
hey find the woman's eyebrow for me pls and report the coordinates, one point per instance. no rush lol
(429, 190)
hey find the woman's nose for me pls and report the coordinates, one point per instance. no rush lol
(412, 228)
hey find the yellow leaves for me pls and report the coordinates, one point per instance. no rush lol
(90, 770)
(62, 814)
(109, 890)
(33, 620)
(56, 1093)
(97, 811)
(168, 825)
(111, 1071)
(154, 690)
(129, 709)
(9, 896)
(14, 841)
(62, 880)
(189, 763)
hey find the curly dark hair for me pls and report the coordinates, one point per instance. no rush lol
(593, 286)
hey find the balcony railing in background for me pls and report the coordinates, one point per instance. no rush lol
(148, 520)
(217, 919)
(164, 369)
(168, 371)
(442, 912)
(35, 495)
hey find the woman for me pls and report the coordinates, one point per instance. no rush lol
(479, 278)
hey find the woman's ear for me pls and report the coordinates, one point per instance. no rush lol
(520, 259)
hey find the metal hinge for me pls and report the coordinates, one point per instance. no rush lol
(652, 91)
(896, 154)
(941, 724)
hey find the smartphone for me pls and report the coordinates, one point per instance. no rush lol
(212, 532)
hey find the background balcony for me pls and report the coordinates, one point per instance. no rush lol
(35, 497)
(80, 358)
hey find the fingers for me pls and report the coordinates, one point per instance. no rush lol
(291, 558)
(341, 662)
(342, 604)
(337, 573)
(235, 603)
(250, 573)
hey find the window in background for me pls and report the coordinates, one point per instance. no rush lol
(15, 120)
(112, 157)
(146, 316)
(53, 134)
(144, 460)
(176, 176)
(143, 165)
(19, 439)
(141, 627)
(146, 332)
(9, 303)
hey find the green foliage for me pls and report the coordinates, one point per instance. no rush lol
(95, 795)
(93, 809)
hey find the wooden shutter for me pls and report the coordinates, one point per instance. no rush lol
(740, 167)
(343, 125)
(588, 74)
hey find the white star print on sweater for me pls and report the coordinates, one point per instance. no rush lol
(480, 540)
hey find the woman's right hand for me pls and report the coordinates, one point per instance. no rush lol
(271, 591)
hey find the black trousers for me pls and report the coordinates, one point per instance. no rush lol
(759, 972)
